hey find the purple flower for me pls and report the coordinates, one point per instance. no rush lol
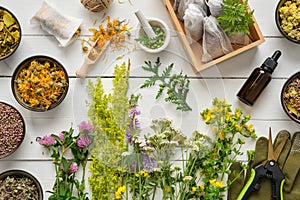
(47, 140)
(133, 112)
(148, 163)
(85, 126)
(73, 167)
(83, 141)
(61, 136)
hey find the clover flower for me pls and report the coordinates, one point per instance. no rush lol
(47, 140)
(83, 141)
(85, 126)
(61, 136)
(73, 167)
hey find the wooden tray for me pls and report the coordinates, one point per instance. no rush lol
(194, 51)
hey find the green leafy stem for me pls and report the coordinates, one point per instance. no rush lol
(177, 85)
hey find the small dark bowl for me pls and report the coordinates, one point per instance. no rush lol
(284, 99)
(278, 22)
(24, 65)
(22, 174)
(10, 119)
(19, 41)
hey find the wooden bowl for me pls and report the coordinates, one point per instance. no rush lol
(15, 43)
(12, 129)
(19, 174)
(40, 83)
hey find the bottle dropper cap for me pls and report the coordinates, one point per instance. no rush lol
(270, 63)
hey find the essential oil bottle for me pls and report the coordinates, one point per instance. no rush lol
(258, 80)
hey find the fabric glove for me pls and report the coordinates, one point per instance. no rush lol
(288, 161)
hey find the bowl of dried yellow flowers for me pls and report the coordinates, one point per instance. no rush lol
(40, 83)
(290, 97)
(10, 33)
(287, 19)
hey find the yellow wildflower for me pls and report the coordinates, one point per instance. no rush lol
(219, 184)
(202, 187)
(194, 189)
(168, 189)
(222, 135)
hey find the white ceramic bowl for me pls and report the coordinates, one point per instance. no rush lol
(154, 22)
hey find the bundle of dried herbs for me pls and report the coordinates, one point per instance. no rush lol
(18, 188)
(12, 129)
(10, 33)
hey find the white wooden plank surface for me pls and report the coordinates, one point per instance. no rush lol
(223, 80)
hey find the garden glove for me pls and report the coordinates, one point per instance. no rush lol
(288, 161)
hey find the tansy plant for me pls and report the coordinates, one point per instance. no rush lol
(67, 185)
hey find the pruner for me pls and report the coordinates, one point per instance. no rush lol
(267, 169)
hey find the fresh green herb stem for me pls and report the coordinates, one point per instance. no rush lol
(177, 85)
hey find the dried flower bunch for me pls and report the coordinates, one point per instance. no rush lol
(18, 187)
(10, 33)
(113, 31)
(12, 129)
(41, 83)
(67, 182)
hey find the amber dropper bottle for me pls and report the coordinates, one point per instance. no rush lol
(258, 80)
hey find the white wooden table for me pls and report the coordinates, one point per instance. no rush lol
(223, 80)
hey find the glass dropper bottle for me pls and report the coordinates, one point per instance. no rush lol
(258, 80)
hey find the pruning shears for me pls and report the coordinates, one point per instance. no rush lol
(267, 169)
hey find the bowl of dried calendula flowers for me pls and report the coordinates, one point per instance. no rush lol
(287, 19)
(40, 83)
(10, 33)
(290, 97)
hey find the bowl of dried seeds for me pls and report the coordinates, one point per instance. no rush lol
(12, 129)
(19, 184)
(40, 83)
(10, 33)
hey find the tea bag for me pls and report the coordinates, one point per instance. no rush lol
(183, 5)
(215, 42)
(64, 28)
(215, 7)
(240, 39)
(193, 22)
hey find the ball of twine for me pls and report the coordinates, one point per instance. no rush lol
(96, 5)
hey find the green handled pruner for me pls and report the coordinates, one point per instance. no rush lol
(267, 169)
